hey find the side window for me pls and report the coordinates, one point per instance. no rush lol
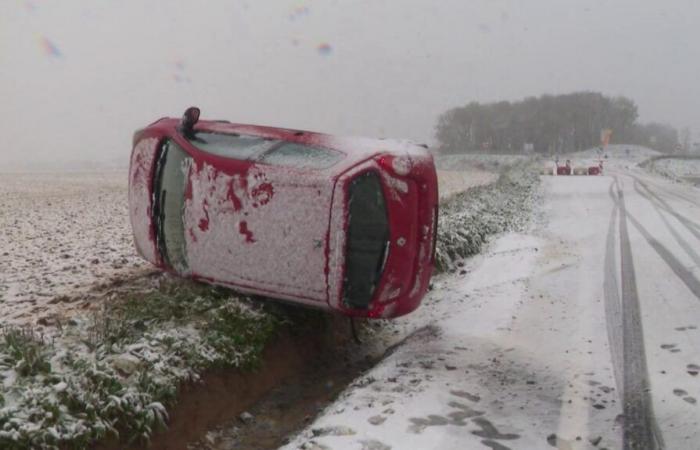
(301, 156)
(169, 191)
(231, 145)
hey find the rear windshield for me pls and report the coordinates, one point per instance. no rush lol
(268, 151)
(368, 232)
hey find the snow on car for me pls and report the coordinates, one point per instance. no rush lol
(344, 224)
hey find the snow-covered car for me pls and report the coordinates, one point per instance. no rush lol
(346, 224)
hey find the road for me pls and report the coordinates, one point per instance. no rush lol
(582, 333)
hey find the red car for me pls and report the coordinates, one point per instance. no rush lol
(596, 170)
(564, 170)
(338, 223)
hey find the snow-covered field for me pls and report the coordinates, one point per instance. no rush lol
(482, 161)
(62, 233)
(457, 173)
(453, 181)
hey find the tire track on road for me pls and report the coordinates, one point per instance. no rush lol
(611, 293)
(640, 431)
(684, 244)
(685, 275)
(693, 227)
(679, 196)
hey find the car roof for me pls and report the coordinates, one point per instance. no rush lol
(356, 148)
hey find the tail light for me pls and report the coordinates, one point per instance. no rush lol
(399, 165)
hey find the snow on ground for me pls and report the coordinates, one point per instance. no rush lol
(482, 161)
(454, 181)
(527, 345)
(62, 234)
(681, 169)
(664, 233)
(457, 173)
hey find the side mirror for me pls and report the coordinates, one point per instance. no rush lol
(189, 119)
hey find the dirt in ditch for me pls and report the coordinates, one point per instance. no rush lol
(259, 409)
(285, 409)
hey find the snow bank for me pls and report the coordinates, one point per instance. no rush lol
(686, 169)
(466, 220)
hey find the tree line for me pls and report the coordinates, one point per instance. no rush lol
(549, 124)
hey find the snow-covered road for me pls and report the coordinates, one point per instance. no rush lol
(583, 333)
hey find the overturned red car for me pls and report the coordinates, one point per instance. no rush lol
(338, 223)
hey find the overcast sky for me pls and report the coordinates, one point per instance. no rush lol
(77, 77)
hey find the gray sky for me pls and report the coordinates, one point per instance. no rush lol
(394, 65)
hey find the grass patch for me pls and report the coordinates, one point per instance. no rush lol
(24, 352)
(114, 374)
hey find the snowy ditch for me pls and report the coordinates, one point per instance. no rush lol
(115, 372)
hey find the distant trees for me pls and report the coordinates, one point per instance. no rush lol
(658, 136)
(548, 124)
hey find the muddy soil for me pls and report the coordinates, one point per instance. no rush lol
(298, 376)
(285, 409)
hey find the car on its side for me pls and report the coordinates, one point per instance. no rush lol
(344, 224)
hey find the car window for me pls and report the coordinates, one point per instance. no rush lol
(301, 156)
(231, 145)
